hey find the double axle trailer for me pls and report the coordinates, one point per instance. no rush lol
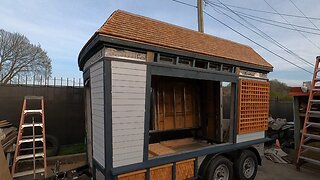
(165, 102)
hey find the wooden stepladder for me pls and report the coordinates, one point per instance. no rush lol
(311, 127)
(31, 140)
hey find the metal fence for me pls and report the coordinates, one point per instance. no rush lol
(281, 109)
(42, 81)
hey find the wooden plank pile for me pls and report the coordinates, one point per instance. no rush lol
(8, 135)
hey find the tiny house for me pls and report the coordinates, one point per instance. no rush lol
(166, 102)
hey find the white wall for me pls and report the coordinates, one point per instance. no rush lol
(97, 105)
(250, 136)
(128, 108)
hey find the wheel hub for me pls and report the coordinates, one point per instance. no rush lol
(248, 167)
(221, 172)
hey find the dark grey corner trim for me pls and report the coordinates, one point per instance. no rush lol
(196, 167)
(94, 172)
(235, 107)
(191, 73)
(86, 74)
(107, 119)
(174, 170)
(96, 165)
(148, 174)
(147, 114)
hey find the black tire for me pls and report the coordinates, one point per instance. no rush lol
(219, 166)
(246, 166)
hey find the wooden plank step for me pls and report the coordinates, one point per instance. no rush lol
(313, 161)
(312, 148)
(34, 97)
(30, 137)
(313, 124)
(28, 156)
(312, 136)
(33, 111)
(314, 112)
(315, 101)
(316, 89)
(30, 140)
(25, 125)
(29, 149)
(25, 173)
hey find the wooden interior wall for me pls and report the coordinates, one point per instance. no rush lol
(211, 111)
(253, 108)
(175, 104)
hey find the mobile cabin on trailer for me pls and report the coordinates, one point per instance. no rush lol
(166, 102)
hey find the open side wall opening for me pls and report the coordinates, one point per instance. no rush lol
(187, 114)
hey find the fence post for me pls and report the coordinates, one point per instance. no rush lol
(26, 79)
(79, 81)
(18, 79)
(74, 81)
(61, 81)
(54, 82)
(41, 80)
(67, 81)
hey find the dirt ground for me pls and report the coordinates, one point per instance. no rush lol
(273, 171)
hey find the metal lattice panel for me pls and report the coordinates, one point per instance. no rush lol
(253, 106)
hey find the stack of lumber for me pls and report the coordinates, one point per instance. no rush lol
(8, 135)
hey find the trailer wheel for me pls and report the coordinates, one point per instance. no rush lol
(220, 168)
(246, 165)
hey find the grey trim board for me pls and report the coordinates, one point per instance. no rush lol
(98, 166)
(192, 74)
(222, 148)
(97, 40)
(107, 117)
(147, 115)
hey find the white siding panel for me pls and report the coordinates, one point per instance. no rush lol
(124, 132)
(127, 138)
(128, 109)
(97, 104)
(125, 95)
(125, 83)
(117, 145)
(126, 114)
(128, 101)
(128, 120)
(129, 71)
(127, 155)
(124, 65)
(138, 90)
(127, 161)
(250, 136)
(129, 77)
(119, 126)
(127, 150)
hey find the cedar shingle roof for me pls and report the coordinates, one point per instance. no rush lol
(141, 29)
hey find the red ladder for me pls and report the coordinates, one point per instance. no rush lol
(37, 139)
(311, 129)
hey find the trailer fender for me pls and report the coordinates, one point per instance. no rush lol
(255, 151)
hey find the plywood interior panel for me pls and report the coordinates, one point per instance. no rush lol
(174, 104)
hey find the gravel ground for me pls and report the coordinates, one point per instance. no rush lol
(273, 171)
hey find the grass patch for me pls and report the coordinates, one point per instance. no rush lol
(72, 149)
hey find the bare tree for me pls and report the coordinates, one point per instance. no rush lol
(19, 57)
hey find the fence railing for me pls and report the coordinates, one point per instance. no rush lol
(41, 81)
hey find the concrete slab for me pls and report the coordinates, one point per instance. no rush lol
(273, 171)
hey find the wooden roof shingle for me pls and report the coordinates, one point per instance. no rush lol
(145, 30)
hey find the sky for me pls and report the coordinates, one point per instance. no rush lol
(62, 27)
